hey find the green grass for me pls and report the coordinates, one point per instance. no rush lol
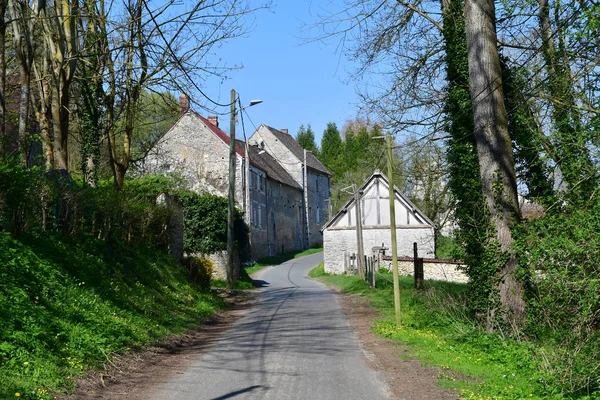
(68, 304)
(437, 329)
(280, 258)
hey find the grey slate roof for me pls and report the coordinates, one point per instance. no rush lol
(264, 161)
(288, 141)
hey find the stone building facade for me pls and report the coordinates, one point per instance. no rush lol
(307, 172)
(272, 200)
(412, 226)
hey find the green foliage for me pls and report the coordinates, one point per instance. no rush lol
(306, 139)
(68, 303)
(360, 156)
(33, 200)
(332, 150)
(206, 224)
(562, 251)
(448, 248)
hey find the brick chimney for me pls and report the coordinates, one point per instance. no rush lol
(184, 104)
(214, 119)
(284, 130)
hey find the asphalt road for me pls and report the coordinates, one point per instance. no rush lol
(295, 344)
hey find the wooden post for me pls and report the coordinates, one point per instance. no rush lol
(393, 229)
(418, 264)
(231, 195)
(306, 212)
(359, 239)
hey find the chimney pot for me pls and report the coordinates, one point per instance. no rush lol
(214, 119)
(284, 130)
(184, 104)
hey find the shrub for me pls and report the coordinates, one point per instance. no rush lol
(561, 251)
(33, 200)
(206, 225)
(200, 270)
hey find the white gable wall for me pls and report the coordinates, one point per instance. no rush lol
(338, 243)
(339, 238)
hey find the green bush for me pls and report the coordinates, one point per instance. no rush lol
(33, 200)
(200, 270)
(206, 225)
(559, 256)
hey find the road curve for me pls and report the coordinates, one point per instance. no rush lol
(295, 344)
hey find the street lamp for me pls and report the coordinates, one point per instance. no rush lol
(231, 197)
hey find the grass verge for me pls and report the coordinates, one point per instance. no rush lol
(438, 330)
(67, 304)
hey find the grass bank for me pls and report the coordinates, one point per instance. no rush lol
(67, 304)
(439, 332)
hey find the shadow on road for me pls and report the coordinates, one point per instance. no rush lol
(260, 283)
(241, 391)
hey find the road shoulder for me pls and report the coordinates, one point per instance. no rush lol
(406, 377)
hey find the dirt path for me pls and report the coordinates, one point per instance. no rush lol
(129, 376)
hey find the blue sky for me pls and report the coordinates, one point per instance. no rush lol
(299, 82)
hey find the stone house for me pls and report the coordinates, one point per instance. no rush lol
(271, 199)
(307, 172)
(339, 233)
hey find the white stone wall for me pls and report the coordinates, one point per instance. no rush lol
(338, 242)
(436, 270)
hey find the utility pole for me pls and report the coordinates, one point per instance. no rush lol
(393, 229)
(359, 237)
(231, 197)
(307, 214)
(247, 173)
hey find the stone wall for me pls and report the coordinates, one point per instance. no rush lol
(339, 242)
(219, 260)
(193, 150)
(439, 270)
(285, 219)
(318, 204)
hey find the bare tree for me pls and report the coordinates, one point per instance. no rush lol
(151, 49)
(23, 19)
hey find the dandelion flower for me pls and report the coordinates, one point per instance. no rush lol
(17, 394)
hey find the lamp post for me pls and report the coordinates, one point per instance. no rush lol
(231, 196)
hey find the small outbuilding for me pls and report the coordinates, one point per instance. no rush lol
(412, 226)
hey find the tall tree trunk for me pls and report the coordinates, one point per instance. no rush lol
(41, 108)
(3, 4)
(498, 179)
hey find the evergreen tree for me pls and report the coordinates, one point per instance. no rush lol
(306, 139)
(332, 150)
